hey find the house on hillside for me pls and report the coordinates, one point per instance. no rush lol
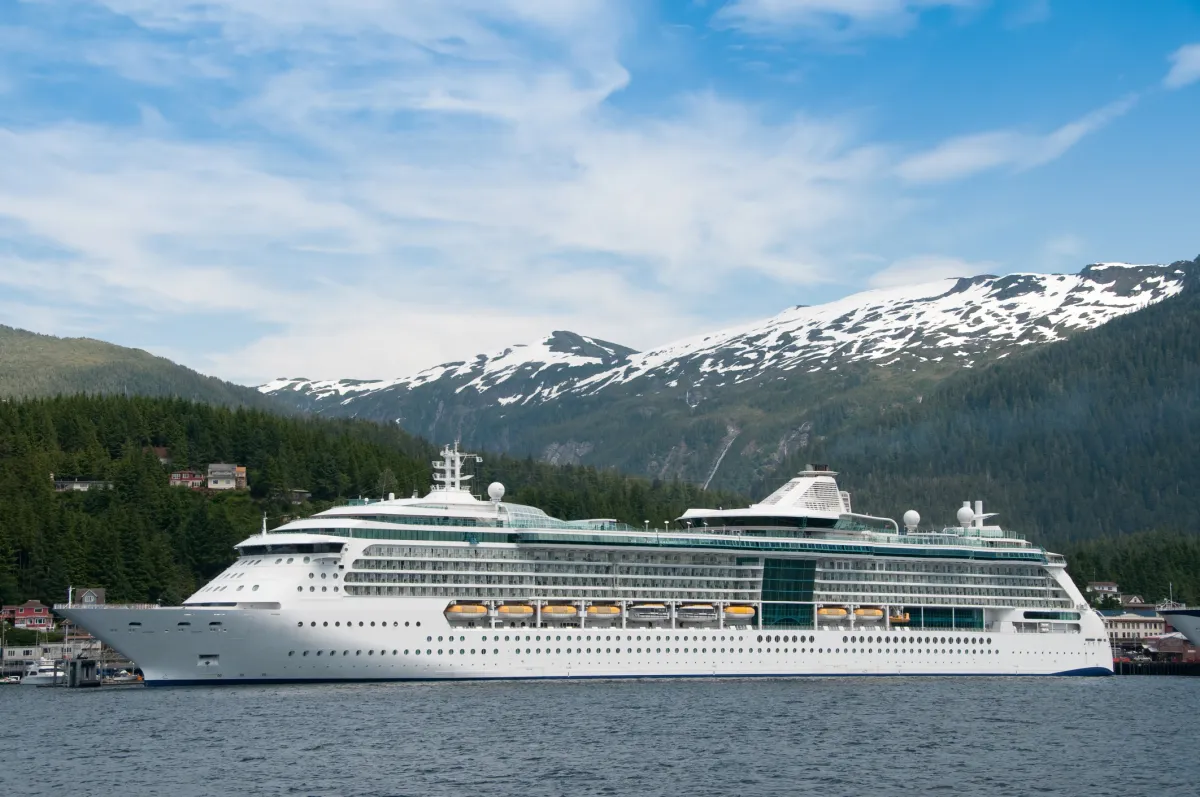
(1103, 588)
(222, 476)
(33, 615)
(77, 485)
(193, 479)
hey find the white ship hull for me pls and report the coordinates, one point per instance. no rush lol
(381, 640)
(1185, 621)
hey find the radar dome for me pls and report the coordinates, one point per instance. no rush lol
(495, 491)
(912, 519)
(965, 516)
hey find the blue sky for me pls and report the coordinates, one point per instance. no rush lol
(332, 188)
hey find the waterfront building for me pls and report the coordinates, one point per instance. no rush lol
(1129, 627)
(452, 586)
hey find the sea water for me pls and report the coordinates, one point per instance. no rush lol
(822, 736)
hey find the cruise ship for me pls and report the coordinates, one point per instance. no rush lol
(1184, 620)
(453, 586)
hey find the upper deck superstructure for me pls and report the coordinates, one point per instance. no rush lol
(452, 565)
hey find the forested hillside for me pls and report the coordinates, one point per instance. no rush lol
(1154, 564)
(43, 365)
(146, 541)
(1097, 435)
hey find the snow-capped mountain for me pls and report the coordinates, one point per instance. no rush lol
(728, 407)
(539, 371)
(956, 320)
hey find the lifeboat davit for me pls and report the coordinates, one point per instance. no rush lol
(559, 610)
(868, 614)
(515, 610)
(739, 612)
(603, 612)
(829, 614)
(462, 611)
(696, 612)
(648, 612)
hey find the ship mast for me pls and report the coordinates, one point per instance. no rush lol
(447, 471)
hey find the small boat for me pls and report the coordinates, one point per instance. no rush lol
(898, 619)
(515, 610)
(739, 612)
(830, 614)
(43, 672)
(464, 611)
(603, 612)
(695, 612)
(868, 614)
(648, 612)
(559, 610)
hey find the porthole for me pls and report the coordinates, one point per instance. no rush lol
(300, 624)
(312, 589)
(299, 589)
(360, 622)
(405, 651)
(359, 652)
(372, 623)
(322, 575)
(323, 589)
(335, 589)
(277, 561)
(305, 653)
(325, 624)
(254, 588)
(306, 560)
(314, 623)
(291, 653)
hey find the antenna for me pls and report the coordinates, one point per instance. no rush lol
(264, 525)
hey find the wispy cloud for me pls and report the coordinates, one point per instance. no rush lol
(381, 153)
(1185, 67)
(839, 19)
(969, 155)
(330, 180)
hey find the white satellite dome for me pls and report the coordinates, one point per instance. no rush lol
(965, 516)
(912, 519)
(495, 491)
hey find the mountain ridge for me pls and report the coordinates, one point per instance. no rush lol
(35, 365)
(727, 407)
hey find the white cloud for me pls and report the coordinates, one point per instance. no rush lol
(1185, 67)
(491, 187)
(926, 268)
(830, 18)
(968, 155)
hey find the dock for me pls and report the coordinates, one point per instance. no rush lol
(1156, 668)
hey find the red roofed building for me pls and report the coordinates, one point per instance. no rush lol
(187, 478)
(32, 614)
